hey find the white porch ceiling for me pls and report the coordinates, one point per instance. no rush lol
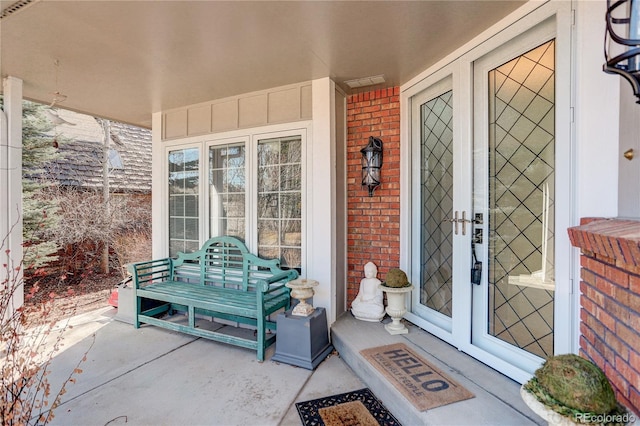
(125, 60)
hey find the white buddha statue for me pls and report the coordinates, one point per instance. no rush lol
(368, 305)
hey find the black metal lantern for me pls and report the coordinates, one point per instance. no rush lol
(622, 41)
(371, 164)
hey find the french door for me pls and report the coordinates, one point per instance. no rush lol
(485, 197)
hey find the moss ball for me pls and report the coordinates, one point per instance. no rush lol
(396, 278)
(577, 383)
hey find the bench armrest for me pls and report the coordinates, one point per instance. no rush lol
(186, 256)
(266, 285)
(148, 272)
(272, 264)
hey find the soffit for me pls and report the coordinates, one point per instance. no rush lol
(127, 59)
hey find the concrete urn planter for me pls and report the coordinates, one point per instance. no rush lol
(546, 413)
(556, 419)
(396, 307)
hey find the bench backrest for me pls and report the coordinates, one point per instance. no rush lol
(224, 262)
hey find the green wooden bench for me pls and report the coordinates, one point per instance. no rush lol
(221, 280)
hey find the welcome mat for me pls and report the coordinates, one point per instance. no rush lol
(420, 382)
(359, 407)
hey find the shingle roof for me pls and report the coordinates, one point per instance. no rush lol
(82, 156)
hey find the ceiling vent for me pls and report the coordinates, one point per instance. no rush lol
(365, 81)
(15, 7)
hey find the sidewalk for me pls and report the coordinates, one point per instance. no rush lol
(152, 376)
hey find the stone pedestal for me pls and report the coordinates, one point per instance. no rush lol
(302, 289)
(302, 341)
(126, 304)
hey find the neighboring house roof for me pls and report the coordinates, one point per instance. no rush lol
(82, 148)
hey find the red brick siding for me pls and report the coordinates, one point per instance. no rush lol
(373, 222)
(610, 301)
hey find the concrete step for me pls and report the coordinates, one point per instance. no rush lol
(497, 398)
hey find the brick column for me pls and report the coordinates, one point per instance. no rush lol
(373, 222)
(610, 301)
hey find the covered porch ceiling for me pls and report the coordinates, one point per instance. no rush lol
(125, 60)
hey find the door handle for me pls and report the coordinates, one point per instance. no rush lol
(456, 221)
(453, 220)
(464, 222)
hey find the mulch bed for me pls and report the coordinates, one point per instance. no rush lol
(71, 294)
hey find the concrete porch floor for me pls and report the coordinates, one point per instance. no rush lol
(157, 377)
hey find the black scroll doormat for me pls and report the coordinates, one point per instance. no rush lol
(419, 381)
(359, 407)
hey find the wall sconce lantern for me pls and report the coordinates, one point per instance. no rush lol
(622, 41)
(371, 164)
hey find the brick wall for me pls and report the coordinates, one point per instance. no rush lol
(610, 301)
(373, 222)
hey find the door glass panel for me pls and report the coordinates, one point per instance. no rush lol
(280, 200)
(227, 189)
(437, 203)
(184, 184)
(521, 200)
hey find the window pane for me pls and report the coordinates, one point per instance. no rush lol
(176, 205)
(235, 205)
(191, 229)
(291, 207)
(269, 252)
(291, 258)
(268, 232)
(227, 190)
(280, 200)
(191, 205)
(235, 228)
(291, 232)
(176, 228)
(184, 187)
(235, 179)
(290, 177)
(291, 151)
(268, 152)
(268, 179)
(268, 205)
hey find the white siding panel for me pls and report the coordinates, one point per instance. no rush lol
(199, 120)
(252, 111)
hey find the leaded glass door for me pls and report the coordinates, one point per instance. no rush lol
(438, 194)
(491, 196)
(515, 190)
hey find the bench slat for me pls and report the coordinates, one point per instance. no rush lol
(212, 298)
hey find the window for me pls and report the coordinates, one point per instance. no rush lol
(115, 160)
(280, 200)
(253, 192)
(184, 188)
(227, 190)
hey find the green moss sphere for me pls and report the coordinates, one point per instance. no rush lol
(396, 278)
(577, 383)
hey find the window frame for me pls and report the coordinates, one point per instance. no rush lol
(166, 193)
(246, 139)
(251, 137)
(256, 138)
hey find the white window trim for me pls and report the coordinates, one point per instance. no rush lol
(256, 138)
(248, 188)
(165, 192)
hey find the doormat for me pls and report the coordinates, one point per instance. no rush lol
(359, 407)
(420, 382)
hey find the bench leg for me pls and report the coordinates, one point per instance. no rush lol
(261, 338)
(192, 317)
(136, 319)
